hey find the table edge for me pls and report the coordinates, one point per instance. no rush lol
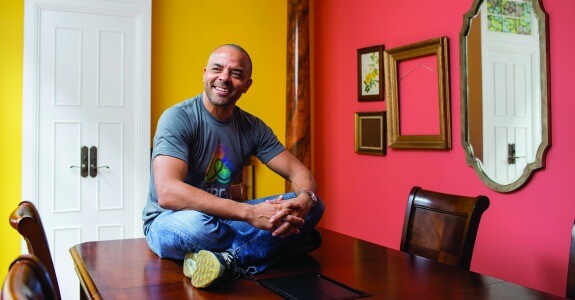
(86, 282)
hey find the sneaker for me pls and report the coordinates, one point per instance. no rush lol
(206, 268)
(308, 244)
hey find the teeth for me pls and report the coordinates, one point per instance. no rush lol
(221, 89)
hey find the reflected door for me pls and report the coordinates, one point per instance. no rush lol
(510, 88)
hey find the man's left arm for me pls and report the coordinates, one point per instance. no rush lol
(289, 167)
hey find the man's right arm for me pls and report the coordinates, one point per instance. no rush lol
(174, 194)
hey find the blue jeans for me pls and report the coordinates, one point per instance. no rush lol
(174, 233)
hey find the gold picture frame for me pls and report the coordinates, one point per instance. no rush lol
(434, 47)
(370, 133)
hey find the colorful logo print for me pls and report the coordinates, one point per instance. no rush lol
(220, 167)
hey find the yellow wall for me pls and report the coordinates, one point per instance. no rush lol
(11, 39)
(183, 34)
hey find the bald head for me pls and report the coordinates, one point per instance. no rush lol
(247, 58)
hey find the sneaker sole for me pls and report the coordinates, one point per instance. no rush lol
(190, 266)
(206, 270)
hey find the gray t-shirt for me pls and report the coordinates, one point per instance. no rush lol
(215, 151)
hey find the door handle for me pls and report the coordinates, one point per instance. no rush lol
(83, 162)
(94, 162)
(511, 157)
(511, 154)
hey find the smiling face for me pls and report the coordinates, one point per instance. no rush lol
(226, 77)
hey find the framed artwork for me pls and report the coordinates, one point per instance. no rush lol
(370, 73)
(423, 95)
(370, 133)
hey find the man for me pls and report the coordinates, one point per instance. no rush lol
(200, 146)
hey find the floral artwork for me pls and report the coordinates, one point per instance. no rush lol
(370, 73)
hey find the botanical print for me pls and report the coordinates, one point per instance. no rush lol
(370, 73)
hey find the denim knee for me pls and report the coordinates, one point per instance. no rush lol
(163, 241)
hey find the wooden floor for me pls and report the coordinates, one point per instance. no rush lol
(127, 269)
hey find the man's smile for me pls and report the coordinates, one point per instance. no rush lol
(221, 89)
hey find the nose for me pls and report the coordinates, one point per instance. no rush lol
(224, 75)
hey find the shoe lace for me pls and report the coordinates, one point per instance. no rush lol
(233, 271)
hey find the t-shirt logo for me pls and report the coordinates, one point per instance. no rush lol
(220, 167)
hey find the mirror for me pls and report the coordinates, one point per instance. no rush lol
(504, 90)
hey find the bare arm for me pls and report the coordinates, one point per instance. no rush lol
(173, 193)
(289, 167)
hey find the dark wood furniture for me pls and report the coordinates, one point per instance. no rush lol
(127, 269)
(27, 278)
(571, 267)
(242, 188)
(442, 227)
(26, 220)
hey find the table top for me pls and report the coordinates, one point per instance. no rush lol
(128, 269)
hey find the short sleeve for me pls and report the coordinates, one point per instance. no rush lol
(268, 146)
(174, 134)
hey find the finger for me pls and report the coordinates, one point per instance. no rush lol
(280, 215)
(292, 205)
(290, 231)
(285, 230)
(296, 222)
(276, 200)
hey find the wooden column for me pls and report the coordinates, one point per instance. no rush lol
(298, 100)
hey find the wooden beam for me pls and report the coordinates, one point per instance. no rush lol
(298, 100)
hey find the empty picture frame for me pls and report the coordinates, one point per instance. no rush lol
(370, 73)
(370, 133)
(434, 47)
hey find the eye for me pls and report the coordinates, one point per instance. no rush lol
(216, 69)
(237, 74)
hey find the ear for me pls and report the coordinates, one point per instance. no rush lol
(248, 84)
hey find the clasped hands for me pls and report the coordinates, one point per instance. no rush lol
(282, 218)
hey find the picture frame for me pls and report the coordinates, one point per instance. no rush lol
(437, 47)
(370, 73)
(370, 133)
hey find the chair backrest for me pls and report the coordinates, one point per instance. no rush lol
(27, 278)
(442, 227)
(26, 220)
(571, 267)
(239, 192)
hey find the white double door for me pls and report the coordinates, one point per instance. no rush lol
(86, 122)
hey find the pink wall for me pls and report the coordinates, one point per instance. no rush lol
(524, 236)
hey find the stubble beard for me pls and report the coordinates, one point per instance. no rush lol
(220, 101)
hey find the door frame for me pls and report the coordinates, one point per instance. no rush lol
(141, 11)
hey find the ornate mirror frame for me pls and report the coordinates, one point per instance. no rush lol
(539, 162)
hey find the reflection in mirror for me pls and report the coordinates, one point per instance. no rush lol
(504, 90)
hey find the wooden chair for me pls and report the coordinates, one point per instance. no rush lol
(442, 227)
(239, 189)
(27, 278)
(239, 192)
(571, 267)
(26, 220)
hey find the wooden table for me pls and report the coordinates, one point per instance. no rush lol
(128, 269)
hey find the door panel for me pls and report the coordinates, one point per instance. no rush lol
(508, 111)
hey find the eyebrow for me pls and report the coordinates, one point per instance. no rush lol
(239, 69)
